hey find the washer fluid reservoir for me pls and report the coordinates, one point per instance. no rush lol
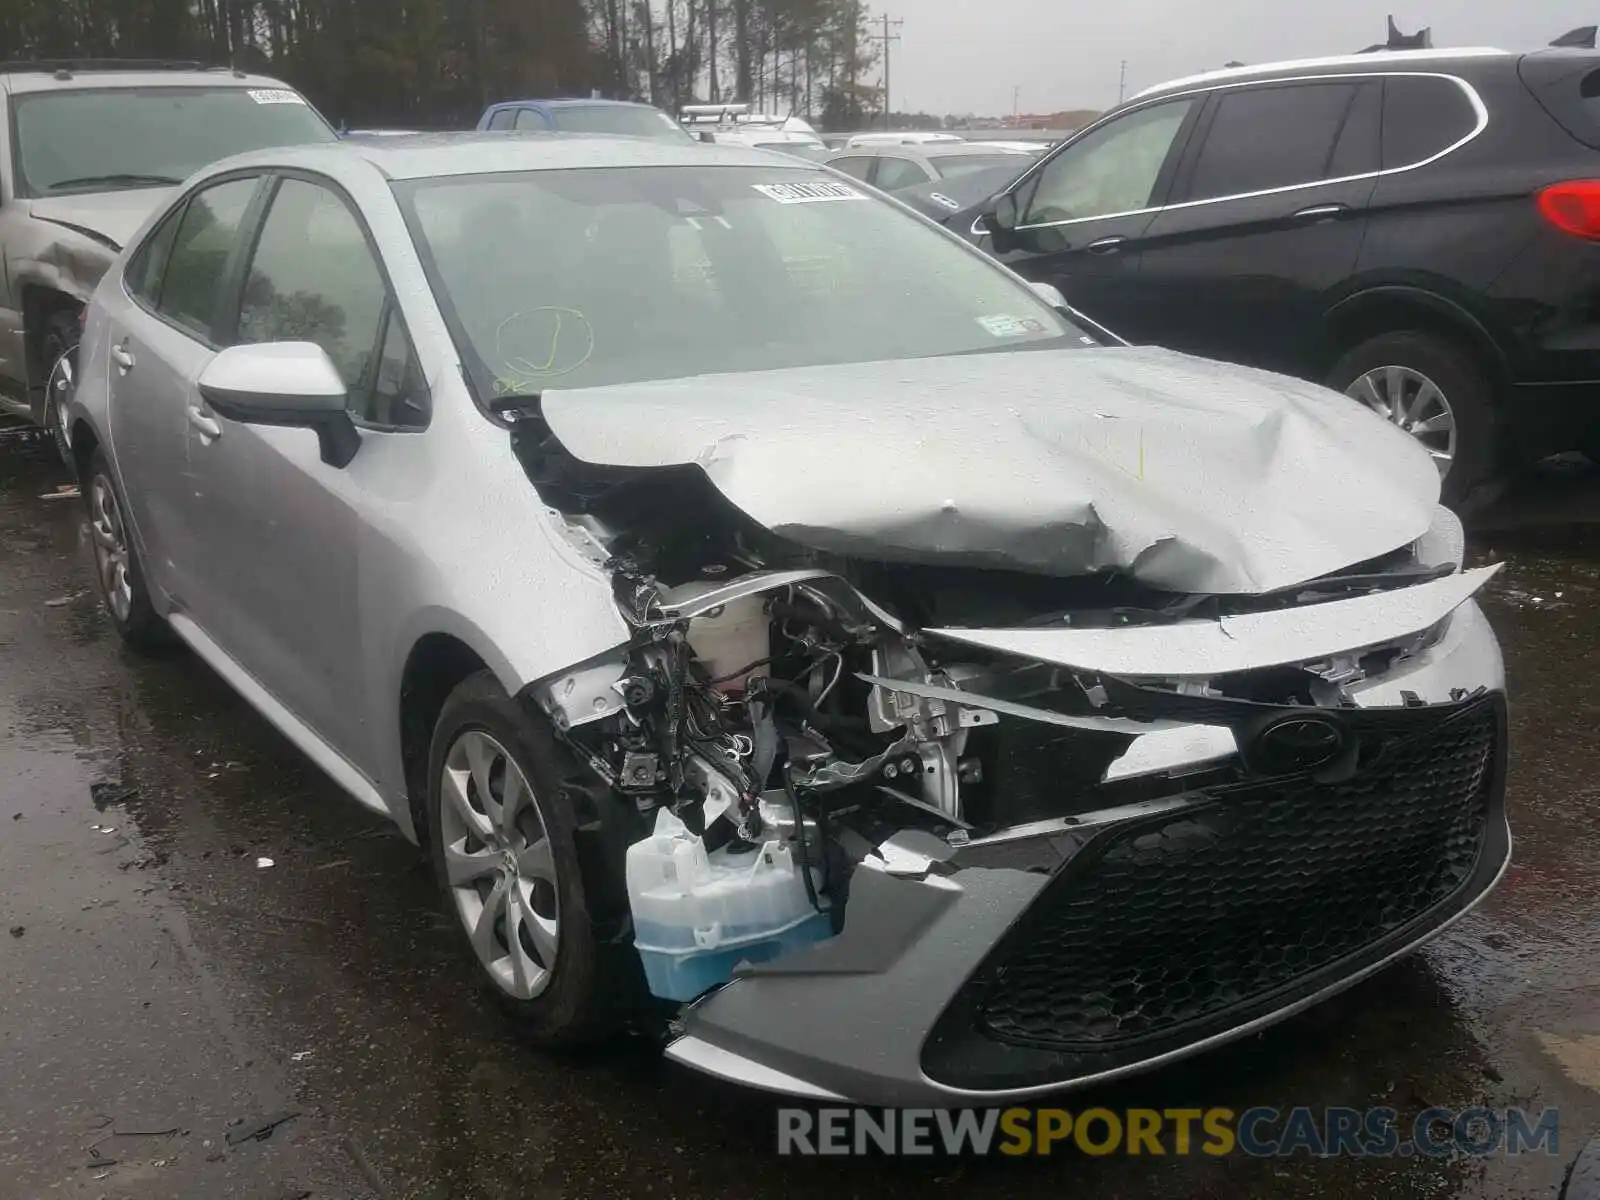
(697, 915)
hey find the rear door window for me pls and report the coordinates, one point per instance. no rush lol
(531, 118)
(1271, 137)
(1359, 150)
(1423, 116)
(502, 119)
(143, 276)
(198, 264)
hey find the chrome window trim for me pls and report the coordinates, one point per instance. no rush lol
(1480, 111)
(1264, 70)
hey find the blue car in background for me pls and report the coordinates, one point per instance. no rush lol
(584, 116)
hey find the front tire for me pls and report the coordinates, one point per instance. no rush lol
(1433, 389)
(118, 569)
(503, 840)
(58, 350)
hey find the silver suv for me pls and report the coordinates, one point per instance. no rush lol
(87, 151)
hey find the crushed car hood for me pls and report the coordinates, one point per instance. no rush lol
(1187, 474)
(110, 217)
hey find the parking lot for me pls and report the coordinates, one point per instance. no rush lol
(205, 936)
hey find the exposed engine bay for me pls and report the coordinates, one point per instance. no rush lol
(784, 716)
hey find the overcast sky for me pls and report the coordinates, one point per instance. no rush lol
(960, 56)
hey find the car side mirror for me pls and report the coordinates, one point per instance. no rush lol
(290, 384)
(1000, 221)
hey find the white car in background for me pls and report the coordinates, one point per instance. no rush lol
(736, 125)
(914, 137)
(894, 168)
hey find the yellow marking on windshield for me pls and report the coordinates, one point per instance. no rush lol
(569, 331)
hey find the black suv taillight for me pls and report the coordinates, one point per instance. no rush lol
(1573, 207)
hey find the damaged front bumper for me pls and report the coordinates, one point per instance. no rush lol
(1069, 951)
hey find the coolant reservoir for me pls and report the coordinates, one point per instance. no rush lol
(697, 915)
(729, 638)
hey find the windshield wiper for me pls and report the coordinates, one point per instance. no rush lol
(122, 180)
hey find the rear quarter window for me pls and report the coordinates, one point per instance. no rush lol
(1423, 116)
(1567, 86)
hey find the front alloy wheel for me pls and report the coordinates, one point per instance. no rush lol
(499, 864)
(545, 923)
(1409, 400)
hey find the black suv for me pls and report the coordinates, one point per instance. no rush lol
(1418, 230)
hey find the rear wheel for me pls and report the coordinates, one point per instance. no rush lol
(1434, 390)
(58, 350)
(118, 570)
(503, 840)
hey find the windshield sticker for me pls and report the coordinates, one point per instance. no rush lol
(275, 96)
(1008, 326)
(808, 193)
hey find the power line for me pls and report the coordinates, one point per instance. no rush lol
(885, 39)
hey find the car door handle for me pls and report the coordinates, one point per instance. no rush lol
(1106, 245)
(206, 425)
(1322, 212)
(120, 356)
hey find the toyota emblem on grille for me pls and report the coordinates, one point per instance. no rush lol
(1295, 743)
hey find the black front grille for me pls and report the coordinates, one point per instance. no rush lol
(1169, 924)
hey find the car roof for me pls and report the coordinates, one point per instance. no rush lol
(574, 102)
(1377, 60)
(30, 80)
(928, 150)
(432, 155)
(958, 149)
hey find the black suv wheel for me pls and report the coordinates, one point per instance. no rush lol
(1432, 389)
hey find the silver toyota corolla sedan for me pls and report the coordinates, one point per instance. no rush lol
(784, 629)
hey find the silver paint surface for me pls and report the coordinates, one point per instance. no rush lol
(1187, 474)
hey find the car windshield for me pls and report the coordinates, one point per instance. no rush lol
(619, 118)
(952, 166)
(586, 277)
(102, 139)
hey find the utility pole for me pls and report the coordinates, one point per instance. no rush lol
(1122, 82)
(1016, 107)
(887, 38)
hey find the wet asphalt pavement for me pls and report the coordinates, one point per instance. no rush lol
(161, 991)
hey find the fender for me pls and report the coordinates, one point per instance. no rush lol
(1423, 298)
(63, 269)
